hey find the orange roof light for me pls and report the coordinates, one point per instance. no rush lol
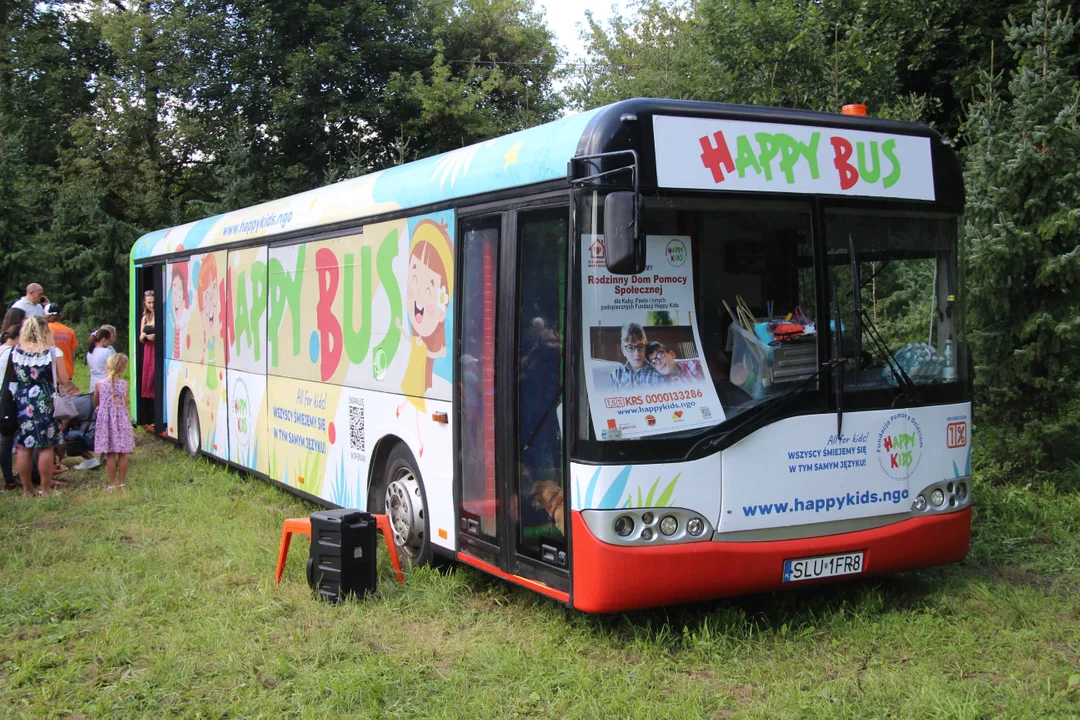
(859, 110)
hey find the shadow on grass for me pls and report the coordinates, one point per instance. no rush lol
(799, 612)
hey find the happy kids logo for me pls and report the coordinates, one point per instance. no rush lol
(241, 407)
(899, 446)
(676, 252)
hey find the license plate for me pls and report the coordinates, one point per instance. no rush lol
(823, 566)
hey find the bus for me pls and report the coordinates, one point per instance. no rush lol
(653, 353)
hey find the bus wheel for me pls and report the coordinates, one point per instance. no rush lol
(404, 503)
(191, 432)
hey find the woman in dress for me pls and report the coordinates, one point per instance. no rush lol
(147, 332)
(35, 359)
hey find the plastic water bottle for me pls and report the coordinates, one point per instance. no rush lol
(948, 373)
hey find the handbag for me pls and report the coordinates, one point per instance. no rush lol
(9, 422)
(63, 405)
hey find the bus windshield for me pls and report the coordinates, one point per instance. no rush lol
(754, 293)
(683, 348)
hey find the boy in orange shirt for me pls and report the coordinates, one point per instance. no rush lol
(63, 336)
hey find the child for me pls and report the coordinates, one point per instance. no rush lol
(114, 435)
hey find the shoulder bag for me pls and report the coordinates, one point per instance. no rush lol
(8, 420)
(63, 405)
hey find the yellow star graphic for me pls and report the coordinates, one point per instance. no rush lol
(511, 154)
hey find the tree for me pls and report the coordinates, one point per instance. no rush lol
(1023, 242)
(491, 73)
(660, 51)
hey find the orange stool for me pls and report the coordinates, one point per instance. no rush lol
(292, 525)
(383, 523)
(303, 527)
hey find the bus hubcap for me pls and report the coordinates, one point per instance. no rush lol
(405, 507)
(192, 426)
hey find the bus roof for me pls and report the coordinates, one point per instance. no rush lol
(536, 155)
(530, 156)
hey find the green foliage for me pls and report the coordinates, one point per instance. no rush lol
(124, 117)
(1023, 244)
(788, 53)
(491, 74)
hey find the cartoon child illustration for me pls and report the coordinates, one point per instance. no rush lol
(210, 303)
(179, 304)
(428, 290)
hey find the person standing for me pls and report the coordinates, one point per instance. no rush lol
(113, 435)
(34, 359)
(63, 336)
(31, 303)
(98, 352)
(147, 332)
(9, 337)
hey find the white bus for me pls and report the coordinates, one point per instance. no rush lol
(653, 353)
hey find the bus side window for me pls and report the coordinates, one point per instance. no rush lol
(544, 508)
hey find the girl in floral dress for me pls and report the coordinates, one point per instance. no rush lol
(114, 435)
(33, 359)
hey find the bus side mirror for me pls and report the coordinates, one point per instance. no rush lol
(624, 248)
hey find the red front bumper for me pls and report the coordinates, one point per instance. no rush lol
(614, 578)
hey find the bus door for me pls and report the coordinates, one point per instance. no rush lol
(514, 507)
(148, 411)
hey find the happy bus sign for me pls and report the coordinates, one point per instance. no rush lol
(704, 154)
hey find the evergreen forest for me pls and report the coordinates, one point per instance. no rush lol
(122, 116)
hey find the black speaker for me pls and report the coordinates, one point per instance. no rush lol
(342, 560)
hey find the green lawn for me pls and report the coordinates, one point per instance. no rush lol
(160, 602)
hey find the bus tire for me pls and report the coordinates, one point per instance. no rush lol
(401, 497)
(190, 432)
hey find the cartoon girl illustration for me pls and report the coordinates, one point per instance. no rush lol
(179, 304)
(428, 290)
(211, 300)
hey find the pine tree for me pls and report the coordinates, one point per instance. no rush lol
(1023, 244)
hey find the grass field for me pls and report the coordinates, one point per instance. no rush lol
(160, 602)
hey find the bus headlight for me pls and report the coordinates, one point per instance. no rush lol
(647, 518)
(646, 534)
(669, 525)
(961, 492)
(920, 503)
(937, 498)
(695, 526)
(624, 525)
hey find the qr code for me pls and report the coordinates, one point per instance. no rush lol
(706, 413)
(356, 425)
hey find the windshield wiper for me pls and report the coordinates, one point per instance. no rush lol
(877, 342)
(768, 411)
(838, 357)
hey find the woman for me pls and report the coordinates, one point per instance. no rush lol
(98, 352)
(9, 337)
(35, 359)
(146, 337)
